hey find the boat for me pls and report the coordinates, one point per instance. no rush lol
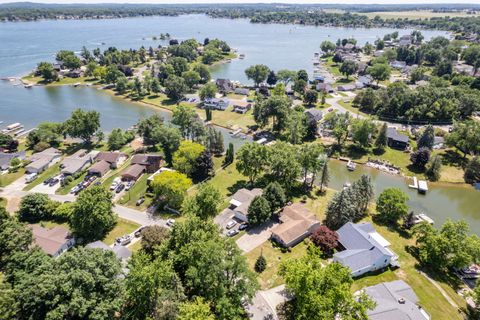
(16, 133)
(241, 56)
(21, 134)
(234, 133)
(76, 84)
(471, 272)
(422, 186)
(28, 86)
(12, 127)
(351, 166)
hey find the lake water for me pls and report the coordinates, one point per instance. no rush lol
(25, 44)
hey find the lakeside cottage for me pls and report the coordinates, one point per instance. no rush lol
(114, 158)
(216, 104)
(365, 249)
(100, 168)
(42, 160)
(242, 107)
(395, 300)
(241, 201)
(242, 91)
(297, 223)
(52, 241)
(396, 140)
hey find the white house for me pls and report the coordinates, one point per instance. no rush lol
(241, 201)
(365, 249)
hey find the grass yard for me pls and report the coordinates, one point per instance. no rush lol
(274, 256)
(3, 202)
(48, 173)
(136, 246)
(7, 178)
(123, 227)
(353, 110)
(52, 224)
(227, 181)
(138, 189)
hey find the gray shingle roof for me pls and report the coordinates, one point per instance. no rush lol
(393, 134)
(395, 301)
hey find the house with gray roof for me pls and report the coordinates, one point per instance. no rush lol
(395, 300)
(122, 252)
(42, 160)
(365, 249)
(241, 201)
(77, 161)
(314, 115)
(6, 158)
(396, 140)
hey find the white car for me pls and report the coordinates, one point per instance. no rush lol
(231, 224)
(232, 233)
(114, 185)
(129, 185)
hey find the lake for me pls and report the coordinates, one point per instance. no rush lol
(24, 44)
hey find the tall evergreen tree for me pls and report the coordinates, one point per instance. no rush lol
(427, 138)
(381, 141)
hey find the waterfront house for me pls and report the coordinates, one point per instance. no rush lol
(78, 161)
(115, 159)
(224, 85)
(42, 160)
(297, 223)
(216, 104)
(395, 300)
(365, 249)
(396, 140)
(242, 91)
(52, 241)
(133, 172)
(151, 162)
(241, 201)
(405, 40)
(100, 168)
(242, 106)
(6, 158)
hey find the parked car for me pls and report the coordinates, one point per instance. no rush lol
(97, 183)
(138, 233)
(113, 186)
(231, 224)
(30, 177)
(140, 201)
(129, 185)
(124, 240)
(47, 181)
(232, 232)
(120, 187)
(53, 182)
(170, 222)
(74, 189)
(243, 226)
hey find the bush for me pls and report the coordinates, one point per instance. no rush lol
(39, 147)
(325, 239)
(260, 264)
(420, 157)
(472, 171)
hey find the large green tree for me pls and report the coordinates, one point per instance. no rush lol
(259, 211)
(283, 163)
(83, 124)
(252, 159)
(205, 203)
(185, 158)
(92, 216)
(322, 292)
(392, 205)
(258, 73)
(171, 187)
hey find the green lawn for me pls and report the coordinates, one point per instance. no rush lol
(349, 107)
(3, 202)
(228, 181)
(123, 227)
(48, 173)
(274, 256)
(7, 178)
(138, 189)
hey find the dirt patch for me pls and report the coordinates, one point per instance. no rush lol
(136, 144)
(13, 204)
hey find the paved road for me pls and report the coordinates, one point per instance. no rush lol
(14, 191)
(255, 236)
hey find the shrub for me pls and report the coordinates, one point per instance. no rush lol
(325, 239)
(260, 264)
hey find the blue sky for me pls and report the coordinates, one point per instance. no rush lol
(257, 1)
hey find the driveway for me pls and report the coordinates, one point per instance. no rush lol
(45, 188)
(256, 236)
(223, 218)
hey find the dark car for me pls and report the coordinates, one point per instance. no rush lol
(53, 182)
(140, 201)
(243, 226)
(138, 233)
(120, 187)
(97, 183)
(47, 181)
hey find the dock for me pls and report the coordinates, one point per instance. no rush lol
(415, 183)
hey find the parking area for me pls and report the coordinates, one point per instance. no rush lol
(47, 188)
(229, 225)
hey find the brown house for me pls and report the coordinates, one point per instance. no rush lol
(113, 158)
(297, 223)
(151, 162)
(52, 241)
(133, 172)
(100, 168)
